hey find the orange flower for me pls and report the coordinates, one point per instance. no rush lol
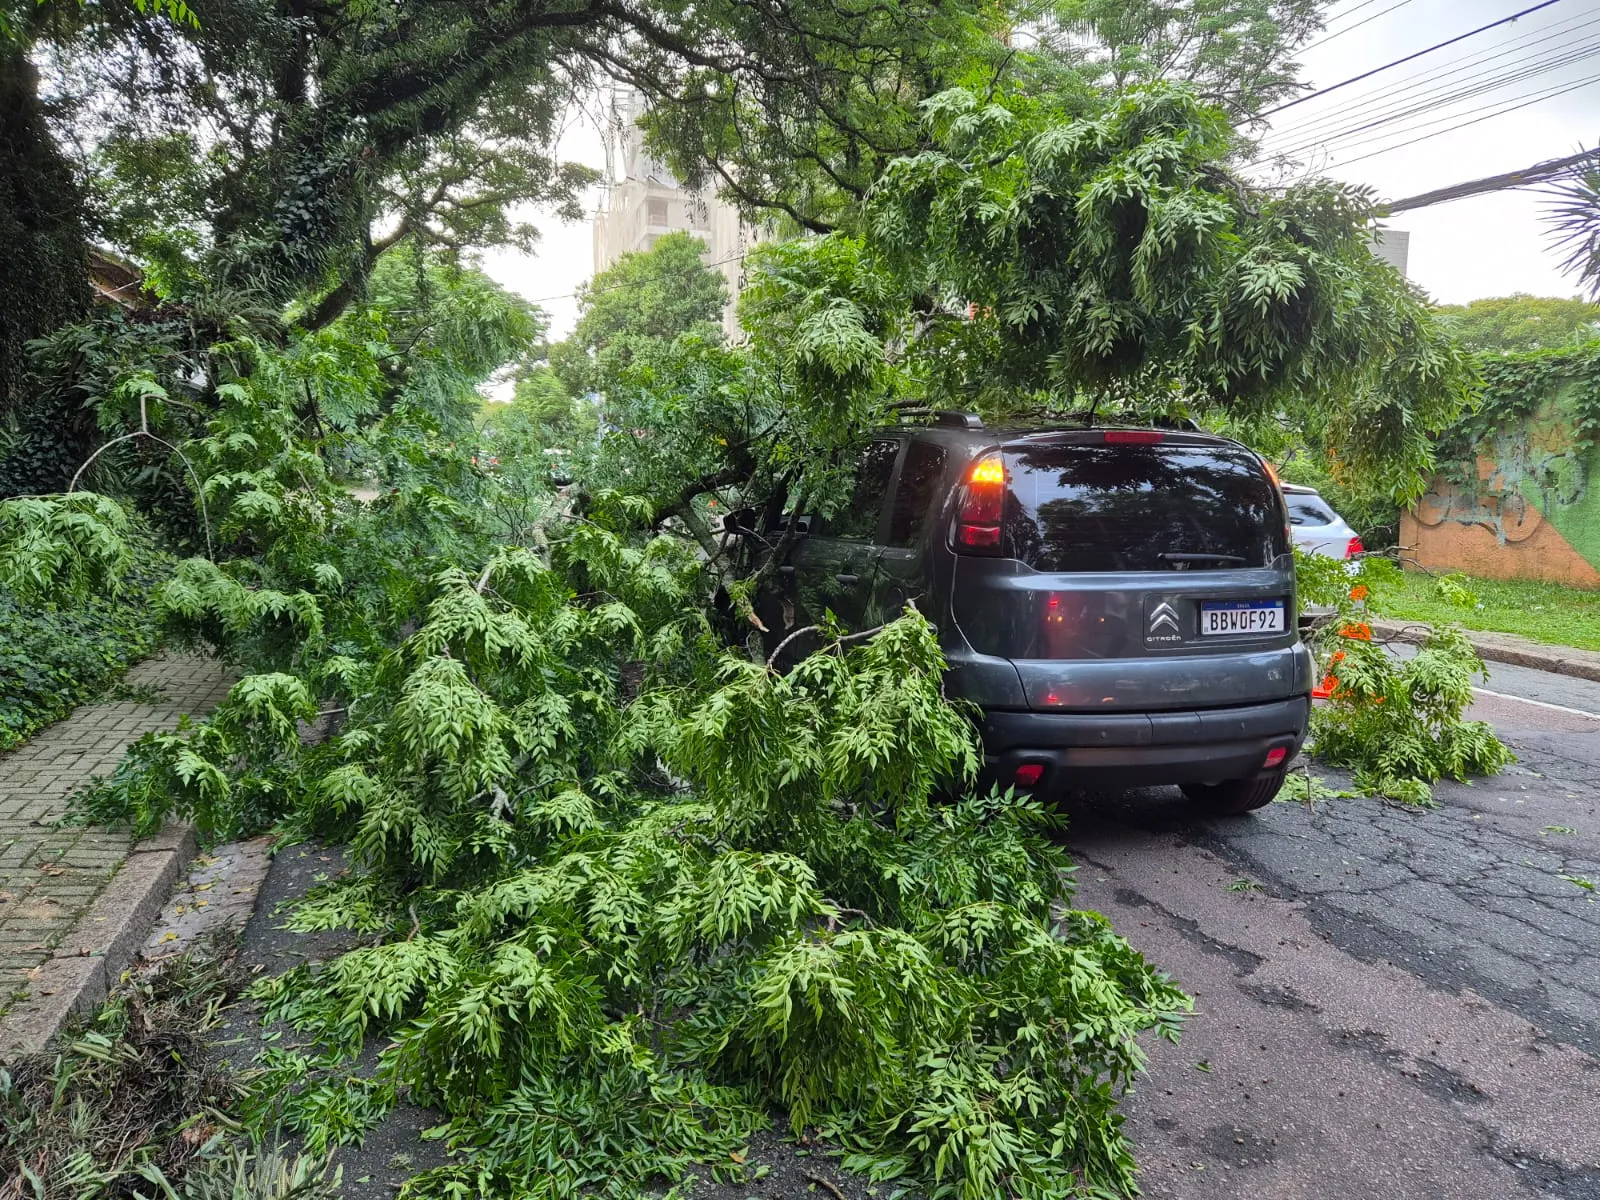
(1338, 657)
(1359, 632)
(1359, 592)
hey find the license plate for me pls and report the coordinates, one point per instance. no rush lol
(1241, 616)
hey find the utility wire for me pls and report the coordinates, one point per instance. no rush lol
(1351, 11)
(1328, 136)
(1422, 80)
(1354, 132)
(1382, 12)
(1408, 58)
(1538, 173)
(1421, 85)
(1548, 92)
(1475, 121)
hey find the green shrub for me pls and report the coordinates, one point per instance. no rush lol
(1396, 723)
(57, 655)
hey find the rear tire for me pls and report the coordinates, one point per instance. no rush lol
(1234, 796)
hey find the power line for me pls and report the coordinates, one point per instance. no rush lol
(1408, 58)
(1440, 100)
(1414, 88)
(1538, 173)
(1532, 97)
(1382, 12)
(1351, 11)
(1476, 121)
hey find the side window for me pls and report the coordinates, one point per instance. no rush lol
(858, 519)
(919, 477)
(1307, 510)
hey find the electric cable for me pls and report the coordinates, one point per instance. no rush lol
(1332, 136)
(1476, 121)
(1322, 41)
(1409, 58)
(1363, 123)
(1421, 86)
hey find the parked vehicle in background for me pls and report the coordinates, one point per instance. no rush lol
(1315, 527)
(1119, 603)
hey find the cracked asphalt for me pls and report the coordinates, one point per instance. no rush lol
(1389, 1002)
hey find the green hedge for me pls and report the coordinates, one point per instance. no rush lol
(55, 657)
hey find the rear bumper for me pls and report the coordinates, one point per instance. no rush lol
(1116, 750)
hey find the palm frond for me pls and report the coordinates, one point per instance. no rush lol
(1573, 217)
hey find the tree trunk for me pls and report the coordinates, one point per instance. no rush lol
(43, 283)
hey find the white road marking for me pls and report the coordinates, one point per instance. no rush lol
(1577, 712)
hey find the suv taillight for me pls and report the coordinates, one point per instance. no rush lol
(978, 525)
(1354, 548)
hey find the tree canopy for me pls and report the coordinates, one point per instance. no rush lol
(634, 309)
(1501, 324)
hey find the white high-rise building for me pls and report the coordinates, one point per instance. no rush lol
(1394, 245)
(642, 201)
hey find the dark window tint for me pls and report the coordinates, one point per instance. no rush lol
(1140, 508)
(1308, 510)
(859, 517)
(913, 497)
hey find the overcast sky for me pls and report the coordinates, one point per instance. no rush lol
(1484, 246)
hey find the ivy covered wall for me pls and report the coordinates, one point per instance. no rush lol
(1517, 495)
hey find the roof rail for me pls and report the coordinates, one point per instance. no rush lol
(1089, 418)
(959, 420)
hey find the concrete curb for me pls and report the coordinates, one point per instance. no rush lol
(1504, 648)
(91, 959)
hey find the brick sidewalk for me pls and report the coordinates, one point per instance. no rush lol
(50, 876)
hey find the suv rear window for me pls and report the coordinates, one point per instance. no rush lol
(1308, 510)
(1089, 507)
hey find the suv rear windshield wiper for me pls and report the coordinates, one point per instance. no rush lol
(1216, 558)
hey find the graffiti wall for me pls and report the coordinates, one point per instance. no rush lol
(1528, 507)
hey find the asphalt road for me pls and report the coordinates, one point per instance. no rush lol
(1389, 1002)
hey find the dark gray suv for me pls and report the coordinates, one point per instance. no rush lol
(1119, 602)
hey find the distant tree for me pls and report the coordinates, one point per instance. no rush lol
(636, 308)
(551, 413)
(1521, 322)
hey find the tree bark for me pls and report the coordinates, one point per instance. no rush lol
(44, 282)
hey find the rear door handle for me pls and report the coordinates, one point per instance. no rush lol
(847, 579)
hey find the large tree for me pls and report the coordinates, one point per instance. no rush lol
(813, 157)
(44, 270)
(330, 132)
(634, 309)
(258, 159)
(1521, 322)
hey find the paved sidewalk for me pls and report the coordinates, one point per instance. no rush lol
(51, 876)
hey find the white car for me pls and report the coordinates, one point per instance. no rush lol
(1315, 527)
